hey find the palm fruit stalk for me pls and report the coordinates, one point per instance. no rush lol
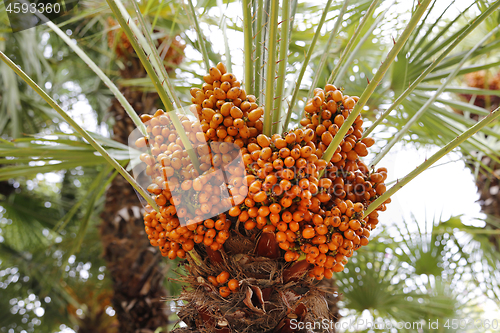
(293, 218)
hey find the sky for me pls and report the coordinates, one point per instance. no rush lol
(445, 190)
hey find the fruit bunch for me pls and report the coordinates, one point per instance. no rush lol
(483, 80)
(281, 190)
(171, 50)
(351, 186)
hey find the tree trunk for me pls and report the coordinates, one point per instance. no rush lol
(136, 268)
(134, 265)
(488, 186)
(487, 182)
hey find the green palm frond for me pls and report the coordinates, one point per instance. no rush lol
(18, 106)
(35, 255)
(474, 242)
(420, 274)
(27, 157)
(376, 281)
(23, 228)
(41, 278)
(446, 67)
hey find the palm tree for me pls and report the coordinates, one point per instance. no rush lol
(485, 168)
(139, 294)
(94, 317)
(301, 298)
(32, 248)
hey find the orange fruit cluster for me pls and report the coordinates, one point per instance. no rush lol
(187, 200)
(279, 185)
(353, 186)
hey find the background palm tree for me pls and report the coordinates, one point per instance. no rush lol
(485, 168)
(419, 49)
(33, 251)
(138, 291)
(135, 266)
